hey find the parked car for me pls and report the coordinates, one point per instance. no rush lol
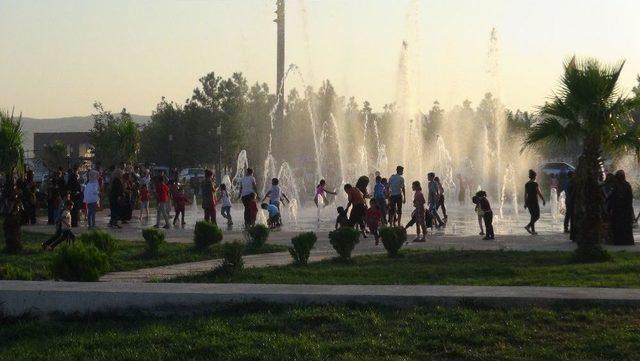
(188, 173)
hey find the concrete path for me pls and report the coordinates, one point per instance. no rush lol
(46, 297)
(164, 273)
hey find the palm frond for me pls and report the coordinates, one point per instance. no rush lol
(552, 130)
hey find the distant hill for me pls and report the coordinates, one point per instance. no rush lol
(62, 125)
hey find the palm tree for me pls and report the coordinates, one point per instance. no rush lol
(11, 161)
(590, 109)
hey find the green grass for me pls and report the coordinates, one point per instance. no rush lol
(259, 332)
(495, 268)
(130, 255)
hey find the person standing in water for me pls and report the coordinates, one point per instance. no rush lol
(484, 210)
(440, 204)
(248, 192)
(321, 192)
(433, 198)
(531, 194)
(397, 196)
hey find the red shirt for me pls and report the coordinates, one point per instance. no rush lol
(162, 192)
(373, 217)
(144, 195)
(181, 201)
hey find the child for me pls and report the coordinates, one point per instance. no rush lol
(322, 192)
(418, 215)
(343, 219)
(373, 219)
(144, 201)
(63, 229)
(380, 198)
(274, 215)
(484, 210)
(225, 211)
(275, 194)
(180, 201)
(253, 210)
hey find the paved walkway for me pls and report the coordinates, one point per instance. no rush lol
(43, 298)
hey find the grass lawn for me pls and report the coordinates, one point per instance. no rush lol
(495, 268)
(260, 332)
(129, 255)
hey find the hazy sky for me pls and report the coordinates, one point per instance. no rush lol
(58, 56)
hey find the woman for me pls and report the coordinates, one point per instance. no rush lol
(418, 214)
(531, 194)
(621, 211)
(484, 209)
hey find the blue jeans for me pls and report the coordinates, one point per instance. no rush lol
(91, 214)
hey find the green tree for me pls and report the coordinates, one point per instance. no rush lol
(54, 155)
(589, 108)
(115, 138)
(11, 148)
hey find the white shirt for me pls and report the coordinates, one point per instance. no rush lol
(226, 201)
(247, 185)
(275, 194)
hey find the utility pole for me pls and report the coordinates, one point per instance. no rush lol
(280, 64)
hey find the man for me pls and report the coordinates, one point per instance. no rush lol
(355, 198)
(531, 195)
(433, 198)
(397, 196)
(378, 196)
(162, 207)
(248, 192)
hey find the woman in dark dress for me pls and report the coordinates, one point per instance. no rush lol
(621, 212)
(531, 194)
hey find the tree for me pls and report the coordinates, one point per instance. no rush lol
(590, 109)
(54, 155)
(115, 138)
(11, 162)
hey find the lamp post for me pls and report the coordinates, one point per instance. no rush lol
(170, 154)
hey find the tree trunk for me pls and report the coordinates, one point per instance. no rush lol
(589, 202)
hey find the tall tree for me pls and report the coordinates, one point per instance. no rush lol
(115, 138)
(11, 162)
(589, 108)
(54, 155)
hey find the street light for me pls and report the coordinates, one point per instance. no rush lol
(170, 153)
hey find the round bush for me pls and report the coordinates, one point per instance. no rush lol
(153, 239)
(302, 245)
(258, 235)
(344, 241)
(232, 256)
(393, 238)
(206, 234)
(101, 240)
(79, 262)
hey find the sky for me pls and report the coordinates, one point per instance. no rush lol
(59, 56)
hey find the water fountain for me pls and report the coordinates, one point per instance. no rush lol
(509, 191)
(241, 169)
(443, 168)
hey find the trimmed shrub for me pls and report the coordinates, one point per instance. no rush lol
(258, 235)
(393, 238)
(153, 239)
(206, 234)
(344, 240)
(79, 262)
(101, 240)
(302, 245)
(232, 256)
(11, 272)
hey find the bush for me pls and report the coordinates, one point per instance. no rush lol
(101, 240)
(344, 240)
(393, 238)
(258, 235)
(232, 256)
(11, 272)
(79, 262)
(302, 245)
(206, 234)
(153, 238)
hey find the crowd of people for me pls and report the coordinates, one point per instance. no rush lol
(76, 195)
